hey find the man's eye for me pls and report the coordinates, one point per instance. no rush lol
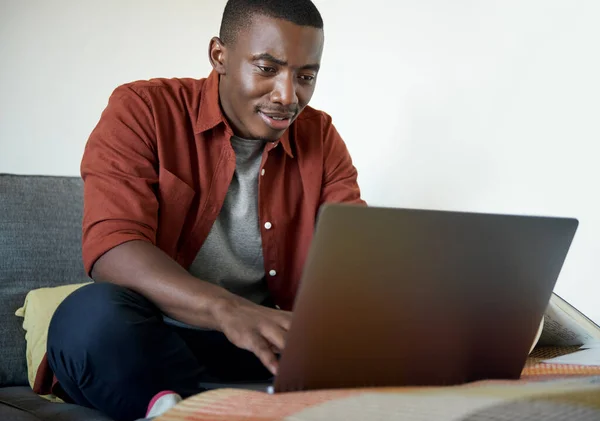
(307, 78)
(267, 69)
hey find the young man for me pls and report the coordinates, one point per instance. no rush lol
(201, 197)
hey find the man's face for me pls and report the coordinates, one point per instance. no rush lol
(267, 75)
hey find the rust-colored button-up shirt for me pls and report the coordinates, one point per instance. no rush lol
(159, 163)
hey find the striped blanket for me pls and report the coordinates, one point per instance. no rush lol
(545, 392)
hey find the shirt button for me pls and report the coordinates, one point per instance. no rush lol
(272, 272)
(262, 172)
(268, 225)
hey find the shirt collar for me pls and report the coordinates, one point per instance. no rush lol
(210, 114)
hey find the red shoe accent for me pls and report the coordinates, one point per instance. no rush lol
(157, 397)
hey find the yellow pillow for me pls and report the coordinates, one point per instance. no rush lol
(37, 312)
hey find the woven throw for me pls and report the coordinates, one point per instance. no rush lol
(545, 392)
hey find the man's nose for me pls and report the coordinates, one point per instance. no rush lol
(284, 91)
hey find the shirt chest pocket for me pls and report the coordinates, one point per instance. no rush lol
(174, 201)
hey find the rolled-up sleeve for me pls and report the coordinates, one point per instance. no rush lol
(340, 182)
(119, 170)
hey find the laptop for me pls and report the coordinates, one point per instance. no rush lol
(408, 297)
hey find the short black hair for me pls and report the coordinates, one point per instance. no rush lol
(238, 14)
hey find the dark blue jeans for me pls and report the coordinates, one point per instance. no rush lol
(111, 350)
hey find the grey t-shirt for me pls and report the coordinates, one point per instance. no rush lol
(232, 254)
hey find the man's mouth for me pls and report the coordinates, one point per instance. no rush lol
(276, 121)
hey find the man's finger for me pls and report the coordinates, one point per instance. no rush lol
(262, 350)
(284, 319)
(275, 335)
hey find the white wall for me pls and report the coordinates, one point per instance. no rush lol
(469, 105)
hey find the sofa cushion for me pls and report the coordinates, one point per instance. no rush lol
(37, 311)
(20, 403)
(13, 414)
(40, 246)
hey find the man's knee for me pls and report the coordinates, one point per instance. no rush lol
(99, 345)
(98, 313)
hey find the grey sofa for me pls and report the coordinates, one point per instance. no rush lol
(40, 246)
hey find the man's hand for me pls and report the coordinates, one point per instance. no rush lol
(144, 268)
(255, 328)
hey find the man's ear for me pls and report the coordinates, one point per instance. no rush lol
(217, 53)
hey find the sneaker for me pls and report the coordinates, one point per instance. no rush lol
(162, 402)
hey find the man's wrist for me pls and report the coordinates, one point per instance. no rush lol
(221, 307)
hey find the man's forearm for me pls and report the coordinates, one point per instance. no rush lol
(146, 269)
